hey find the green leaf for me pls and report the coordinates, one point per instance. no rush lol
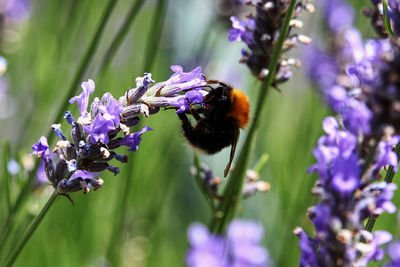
(261, 163)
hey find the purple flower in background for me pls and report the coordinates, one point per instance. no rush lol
(394, 254)
(345, 202)
(206, 249)
(15, 11)
(307, 246)
(385, 155)
(321, 67)
(374, 252)
(83, 98)
(99, 129)
(240, 246)
(242, 30)
(338, 14)
(359, 84)
(244, 238)
(260, 31)
(356, 116)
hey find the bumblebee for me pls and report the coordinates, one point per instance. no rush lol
(225, 110)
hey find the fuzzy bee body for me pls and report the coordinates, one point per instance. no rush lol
(224, 112)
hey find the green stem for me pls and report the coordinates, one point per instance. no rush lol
(233, 190)
(388, 179)
(87, 58)
(261, 163)
(123, 31)
(6, 174)
(29, 232)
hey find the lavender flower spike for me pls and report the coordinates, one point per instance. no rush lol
(346, 201)
(72, 165)
(260, 31)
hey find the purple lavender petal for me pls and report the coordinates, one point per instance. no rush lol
(345, 174)
(112, 111)
(83, 98)
(242, 30)
(41, 148)
(99, 129)
(133, 140)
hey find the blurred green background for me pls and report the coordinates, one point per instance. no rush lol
(163, 199)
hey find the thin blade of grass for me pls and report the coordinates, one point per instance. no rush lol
(28, 234)
(6, 175)
(119, 38)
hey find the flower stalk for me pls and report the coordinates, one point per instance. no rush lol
(226, 210)
(29, 232)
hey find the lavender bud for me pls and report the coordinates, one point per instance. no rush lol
(69, 118)
(56, 128)
(61, 170)
(65, 186)
(94, 107)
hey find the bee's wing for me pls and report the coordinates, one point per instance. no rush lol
(233, 149)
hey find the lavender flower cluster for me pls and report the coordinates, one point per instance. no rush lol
(260, 33)
(358, 81)
(347, 199)
(71, 165)
(240, 247)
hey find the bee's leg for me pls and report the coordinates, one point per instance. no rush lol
(233, 149)
(215, 82)
(187, 127)
(193, 111)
